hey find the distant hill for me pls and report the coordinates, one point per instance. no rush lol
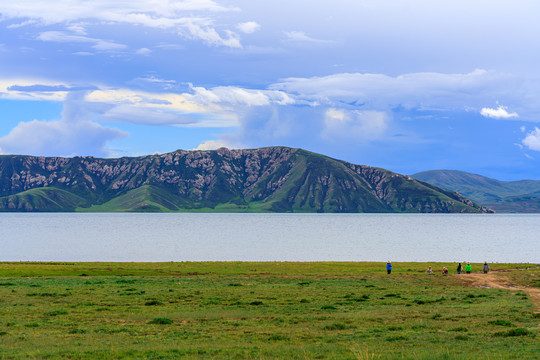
(502, 196)
(274, 179)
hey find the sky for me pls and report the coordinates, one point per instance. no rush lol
(405, 85)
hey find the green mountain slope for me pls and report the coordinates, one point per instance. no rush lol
(41, 199)
(504, 196)
(147, 198)
(527, 203)
(275, 179)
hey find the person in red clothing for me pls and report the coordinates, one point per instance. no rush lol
(444, 270)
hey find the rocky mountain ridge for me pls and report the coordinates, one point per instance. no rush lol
(277, 179)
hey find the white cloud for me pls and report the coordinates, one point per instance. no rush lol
(143, 51)
(160, 14)
(122, 105)
(74, 134)
(152, 82)
(166, 102)
(232, 95)
(60, 138)
(169, 46)
(532, 140)
(365, 100)
(22, 89)
(214, 145)
(66, 11)
(77, 29)
(248, 27)
(423, 91)
(358, 125)
(98, 44)
(303, 37)
(22, 24)
(145, 115)
(366, 85)
(498, 113)
(208, 34)
(344, 108)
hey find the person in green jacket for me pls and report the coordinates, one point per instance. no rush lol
(468, 268)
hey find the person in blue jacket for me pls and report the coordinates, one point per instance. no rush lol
(389, 267)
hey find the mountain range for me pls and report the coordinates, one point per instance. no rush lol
(273, 179)
(502, 196)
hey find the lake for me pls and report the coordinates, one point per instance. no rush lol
(269, 237)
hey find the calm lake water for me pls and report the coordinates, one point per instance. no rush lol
(269, 237)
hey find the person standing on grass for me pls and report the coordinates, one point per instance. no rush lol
(468, 268)
(485, 267)
(459, 268)
(388, 267)
(429, 270)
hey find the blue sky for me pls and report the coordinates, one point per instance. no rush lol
(406, 85)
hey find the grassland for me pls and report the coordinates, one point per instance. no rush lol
(241, 310)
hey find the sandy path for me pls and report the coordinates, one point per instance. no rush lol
(494, 280)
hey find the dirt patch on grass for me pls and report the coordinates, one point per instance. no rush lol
(495, 280)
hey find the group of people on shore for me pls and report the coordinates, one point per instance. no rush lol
(459, 270)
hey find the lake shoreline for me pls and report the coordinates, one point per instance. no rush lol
(193, 268)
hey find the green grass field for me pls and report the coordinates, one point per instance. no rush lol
(241, 310)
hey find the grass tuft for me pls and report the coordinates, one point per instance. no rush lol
(278, 337)
(56, 313)
(153, 303)
(514, 332)
(161, 321)
(501, 323)
(365, 354)
(396, 338)
(459, 329)
(335, 326)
